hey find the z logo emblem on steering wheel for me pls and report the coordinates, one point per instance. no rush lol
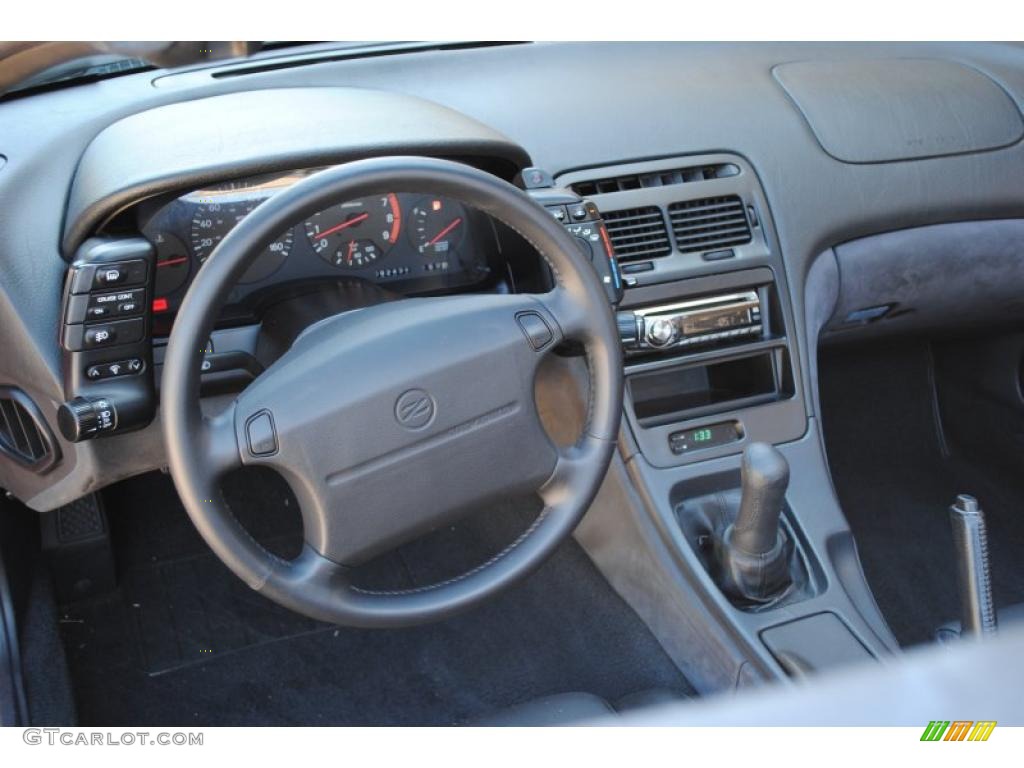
(414, 409)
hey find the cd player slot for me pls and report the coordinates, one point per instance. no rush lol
(681, 326)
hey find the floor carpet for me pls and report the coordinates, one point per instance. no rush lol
(896, 482)
(183, 642)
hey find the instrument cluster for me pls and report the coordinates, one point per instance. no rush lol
(411, 243)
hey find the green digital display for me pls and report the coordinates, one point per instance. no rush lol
(705, 437)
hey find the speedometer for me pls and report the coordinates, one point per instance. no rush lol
(357, 233)
(213, 219)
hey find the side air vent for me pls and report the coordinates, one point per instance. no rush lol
(24, 435)
(714, 222)
(664, 178)
(637, 233)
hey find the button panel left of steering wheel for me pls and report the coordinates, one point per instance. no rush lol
(105, 339)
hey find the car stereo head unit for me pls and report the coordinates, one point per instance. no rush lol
(706, 320)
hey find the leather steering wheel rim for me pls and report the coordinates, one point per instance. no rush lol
(201, 449)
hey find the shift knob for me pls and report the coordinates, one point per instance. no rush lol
(764, 477)
(753, 555)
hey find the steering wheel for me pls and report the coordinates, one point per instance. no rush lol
(392, 420)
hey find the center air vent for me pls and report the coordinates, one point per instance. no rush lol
(24, 435)
(714, 222)
(661, 178)
(637, 233)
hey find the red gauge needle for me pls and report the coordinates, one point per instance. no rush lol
(351, 249)
(344, 225)
(445, 231)
(172, 262)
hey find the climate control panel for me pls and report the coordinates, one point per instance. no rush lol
(581, 219)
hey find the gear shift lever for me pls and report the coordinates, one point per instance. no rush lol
(752, 552)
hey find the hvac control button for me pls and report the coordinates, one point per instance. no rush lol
(125, 273)
(537, 331)
(727, 253)
(259, 430)
(112, 370)
(558, 211)
(578, 212)
(536, 178)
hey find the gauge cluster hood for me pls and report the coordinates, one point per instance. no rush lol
(253, 132)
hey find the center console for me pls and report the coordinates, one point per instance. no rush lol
(719, 525)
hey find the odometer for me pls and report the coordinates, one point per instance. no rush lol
(357, 233)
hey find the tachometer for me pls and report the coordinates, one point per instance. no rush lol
(213, 219)
(357, 233)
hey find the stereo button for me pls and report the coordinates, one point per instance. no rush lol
(661, 332)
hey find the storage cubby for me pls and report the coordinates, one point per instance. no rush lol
(683, 391)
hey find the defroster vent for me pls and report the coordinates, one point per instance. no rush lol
(24, 435)
(714, 222)
(637, 233)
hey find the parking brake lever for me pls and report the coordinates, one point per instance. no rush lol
(977, 612)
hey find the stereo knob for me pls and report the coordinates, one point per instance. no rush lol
(629, 331)
(661, 332)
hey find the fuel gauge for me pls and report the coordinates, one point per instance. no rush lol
(438, 226)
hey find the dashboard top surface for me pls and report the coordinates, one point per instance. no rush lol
(240, 134)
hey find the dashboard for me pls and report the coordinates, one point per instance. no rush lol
(407, 243)
(156, 155)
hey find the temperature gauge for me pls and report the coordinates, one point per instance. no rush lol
(173, 263)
